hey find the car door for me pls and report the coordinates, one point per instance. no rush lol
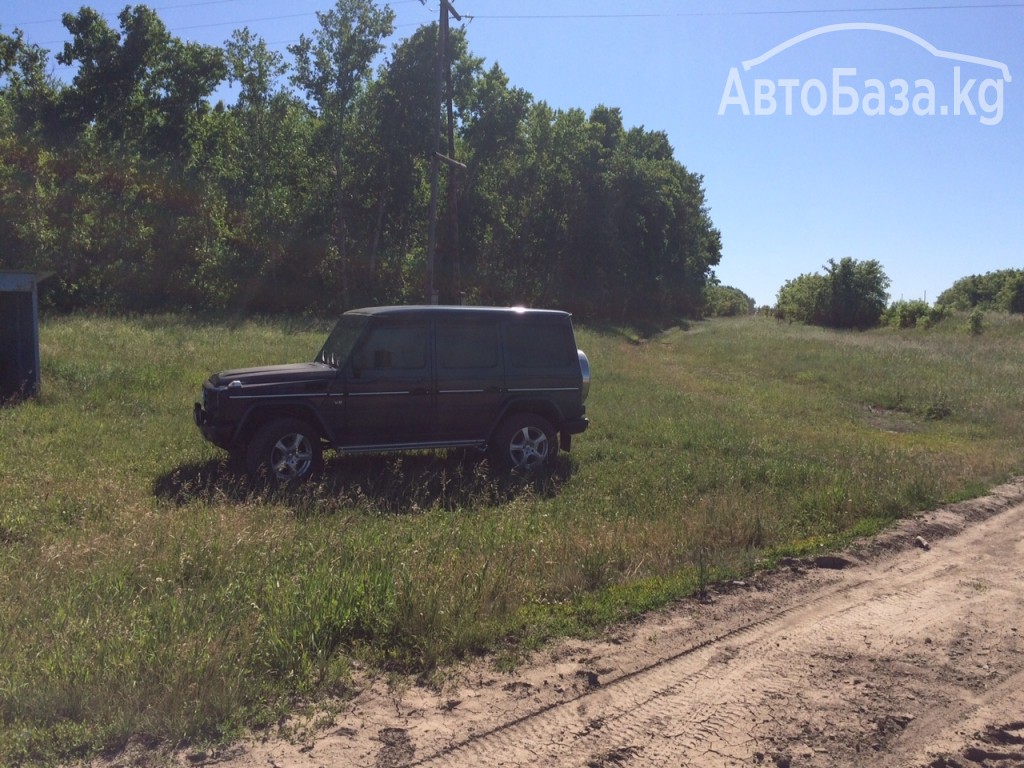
(389, 399)
(470, 377)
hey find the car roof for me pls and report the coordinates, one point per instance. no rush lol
(456, 310)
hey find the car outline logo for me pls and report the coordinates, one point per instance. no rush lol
(875, 27)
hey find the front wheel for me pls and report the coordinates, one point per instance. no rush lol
(285, 451)
(524, 441)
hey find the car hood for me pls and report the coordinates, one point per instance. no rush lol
(267, 375)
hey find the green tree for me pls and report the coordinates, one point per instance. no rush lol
(851, 294)
(130, 212)
(857, 293)
(726, 301)
(29, 177)
(575, 210)
(1015, 294)
(331, 67)
(803, 300)
(264, 182)
(993, 291)
(312, 192)
(139, 87)
(391, 142)
(255, 68)
(28, 90)
(499, 189)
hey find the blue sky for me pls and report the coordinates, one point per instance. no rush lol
(929, 190)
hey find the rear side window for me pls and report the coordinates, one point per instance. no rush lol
(393, 348)
(540, 345)
(462, 345)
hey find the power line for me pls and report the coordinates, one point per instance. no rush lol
(200, 4)
(160, 9)
(237, 23)
(242, 21)
(617, 15)
(776, 12)
(567, 16)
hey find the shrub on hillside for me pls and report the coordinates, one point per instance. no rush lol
(851, 294)
(914, 314)
(725, 301)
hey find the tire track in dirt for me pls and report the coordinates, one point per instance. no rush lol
(671, 688)
(892, 654)
(720, 701)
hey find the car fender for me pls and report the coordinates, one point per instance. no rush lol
(541, 406)
(259, 413)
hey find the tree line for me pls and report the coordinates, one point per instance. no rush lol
(852, 294)
(311, 192)
(999, 291)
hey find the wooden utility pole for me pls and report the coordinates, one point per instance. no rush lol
(453, 206)
(442, 84)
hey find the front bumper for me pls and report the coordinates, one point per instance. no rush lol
(217, 434)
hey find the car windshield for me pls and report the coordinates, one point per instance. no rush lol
(339, 344)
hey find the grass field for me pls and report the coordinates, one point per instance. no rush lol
(148, 590)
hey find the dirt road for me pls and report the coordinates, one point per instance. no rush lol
(904, 651)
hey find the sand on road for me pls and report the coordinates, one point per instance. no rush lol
(905, 650)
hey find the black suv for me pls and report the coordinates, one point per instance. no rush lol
(508, 381)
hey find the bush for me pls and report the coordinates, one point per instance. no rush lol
(976, 322)
(1015, 295)
(905, 314)
(724, 301)
(851, 294)
(914, 314)
(802, 300)
(936, 315)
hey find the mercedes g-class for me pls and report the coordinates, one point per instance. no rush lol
(508, 381)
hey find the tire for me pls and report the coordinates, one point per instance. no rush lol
(524, 441)
(285, 451)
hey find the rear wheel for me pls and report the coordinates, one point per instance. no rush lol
(524, 441)
(285, 451)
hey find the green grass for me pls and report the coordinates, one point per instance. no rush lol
(148, 591)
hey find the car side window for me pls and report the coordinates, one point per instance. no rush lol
(463, 346)
(540, 345)
(392, 348)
